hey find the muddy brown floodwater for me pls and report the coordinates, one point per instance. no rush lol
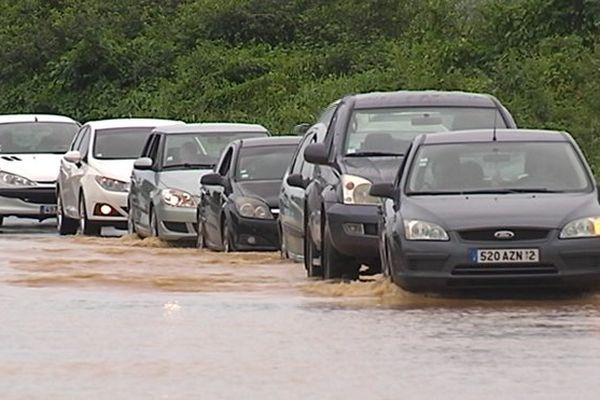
(123, 318)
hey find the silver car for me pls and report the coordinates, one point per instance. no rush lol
(165, 181)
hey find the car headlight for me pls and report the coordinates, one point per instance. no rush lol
(112, 185)
(249, 207)
(581, 228)
(422, 230)
(355, 190)
(178, 198)
(11, 180)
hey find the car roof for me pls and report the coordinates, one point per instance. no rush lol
(418, 98)
(502, 135)
(131, 123)
(20, 118)
(213, 127)
(270, 141)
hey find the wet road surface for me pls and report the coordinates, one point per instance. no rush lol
(123, 318)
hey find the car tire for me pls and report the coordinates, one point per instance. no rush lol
(228, 244)
(153, 224)
(200, 241)
(64, 224)
(310, 250)
(336, 266)
(1, 219)
(86, 227)
(131, 228)
(283, 252)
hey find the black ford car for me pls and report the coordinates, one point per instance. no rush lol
(365, 143)
(238, 206)
(492, 210)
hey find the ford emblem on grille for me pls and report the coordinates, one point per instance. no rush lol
(504, 235)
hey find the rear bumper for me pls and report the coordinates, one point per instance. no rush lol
(365, 246)
(446, 266)
(36, 202)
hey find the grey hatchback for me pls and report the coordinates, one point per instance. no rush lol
(165, 181)
(485, 209)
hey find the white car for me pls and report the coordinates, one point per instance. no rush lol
(95, 174)
(31, 147)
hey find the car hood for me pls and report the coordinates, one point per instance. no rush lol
(115, 169)
(265, 190)
(35, 167)
(375, 169)
(185, 180)
(549, 211)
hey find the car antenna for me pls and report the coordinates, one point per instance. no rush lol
(35, 119)
(494, 131)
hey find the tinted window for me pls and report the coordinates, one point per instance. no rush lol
(199, 149)
(263, 163)
(36, 137)
(391, 130)
(120, 143)
(497, 166)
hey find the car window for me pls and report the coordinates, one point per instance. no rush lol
(263, 162)
(84, 144)
(327, 115)
(298, 160)
(497, 166)
(36, 137)
(226, 162)
(147, 146)
(120, 143)
(391, 130)
(153, 151)
(200, 149)
(77, 139)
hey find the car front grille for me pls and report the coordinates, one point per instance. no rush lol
(504, 270)
(487, 235)
(32, 195)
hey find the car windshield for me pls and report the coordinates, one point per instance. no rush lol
(497, 167)
(120, 143)
(36, 137)
(390, 131)
(199, 149)
(263, 163)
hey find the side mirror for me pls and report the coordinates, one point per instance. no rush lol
(212, 180)
(296, 180)
(385, 190)
(301, 129)
(73, 156)
(143, 163)
(316, 153)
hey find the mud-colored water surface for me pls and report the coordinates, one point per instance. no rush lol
(124, 318)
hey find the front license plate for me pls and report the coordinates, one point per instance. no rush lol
(48, 210)
(505, 256)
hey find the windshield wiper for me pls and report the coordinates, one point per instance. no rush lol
(487, 191)
(188, 165)
(375, 154)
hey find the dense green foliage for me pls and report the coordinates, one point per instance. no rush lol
(279, 62)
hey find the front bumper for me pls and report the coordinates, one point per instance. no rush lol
(362, 246)
(176, 223)
(254, 234)
(36, 202)
(96, 197)
(447, 266)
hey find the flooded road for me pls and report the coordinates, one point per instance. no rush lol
(123, 318)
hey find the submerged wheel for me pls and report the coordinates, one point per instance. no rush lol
(64, 224)
(312, 270)
(335, 265)
(153, 223)
(200, 241)
(228, 245)
(131, 228)
(283, 251)
(86, 227)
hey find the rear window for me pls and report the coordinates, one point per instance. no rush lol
(120, 143)
(36, 137)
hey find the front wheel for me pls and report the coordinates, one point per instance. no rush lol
(310, 253)
(1, 219)
(335, 265)
(64, 224)
(228, 244)
(283, 251)
(200, 241)
(86, 227)
(131, 228)
(153, 223)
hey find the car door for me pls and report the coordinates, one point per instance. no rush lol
(148, 181)
(74, 173)
(213, 200)
(65, 172)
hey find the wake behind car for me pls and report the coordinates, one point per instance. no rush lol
(238, 206)
(365, 142)
(95, 174)
(483, 209)
(164, 182)
(31, 147)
